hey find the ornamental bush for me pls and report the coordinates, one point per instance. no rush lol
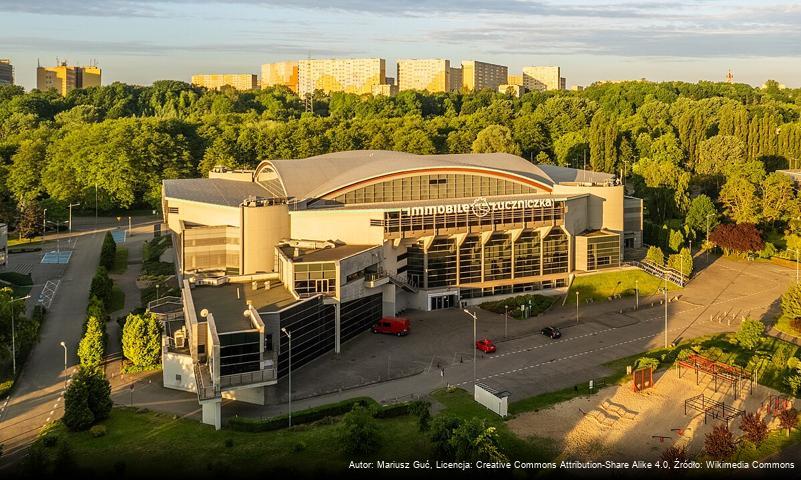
(655, 256)
(102, 286)
(87, 399)
(737, 238)
(108, 251)
(750, 333)
(141, 340)
(754, 427)
(719, 443)
(791, 301)
(91, 347)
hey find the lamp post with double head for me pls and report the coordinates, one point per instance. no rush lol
(289, 337)
(13, 335)
(65, 364)
(70, 207)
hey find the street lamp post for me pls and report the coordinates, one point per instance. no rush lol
(65, 364)
(289, 337)
(157, 291)
(505, 321)
(475, 318)
(577, 305)
(44, 224)
(129, 226)
(70, 207)
(636, 294)
(13, 335)
(665, 290)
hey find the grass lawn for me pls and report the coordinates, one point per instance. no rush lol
(601, 286)
(155, 444)
(537, 303)
(117, 299)
(784, 325)
(25, 242)
(20, 283)
(120, 261)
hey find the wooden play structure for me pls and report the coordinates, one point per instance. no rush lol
(735, 376)
(642, 378)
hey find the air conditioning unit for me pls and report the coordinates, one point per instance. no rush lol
(180, 338)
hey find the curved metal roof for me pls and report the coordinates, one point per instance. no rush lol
(315, 177)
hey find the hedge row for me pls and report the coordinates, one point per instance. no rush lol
(244, 424)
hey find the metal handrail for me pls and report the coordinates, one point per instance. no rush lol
(246, 378)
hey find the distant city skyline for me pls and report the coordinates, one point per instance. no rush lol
(137, 42)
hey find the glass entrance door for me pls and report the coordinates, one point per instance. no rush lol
(442, 301)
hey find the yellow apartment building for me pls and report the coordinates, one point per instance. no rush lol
(280, 73)
(350, 75)
(66, 78)
(480, 75)
(215, 81)
(431, 74)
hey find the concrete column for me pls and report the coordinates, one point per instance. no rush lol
(337, 333)
(212, 412)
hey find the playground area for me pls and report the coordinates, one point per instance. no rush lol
(618, 423)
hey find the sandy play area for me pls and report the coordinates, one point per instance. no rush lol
(619, 424)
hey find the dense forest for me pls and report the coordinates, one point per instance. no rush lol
(686, 148)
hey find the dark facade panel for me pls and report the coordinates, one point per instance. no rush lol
(359, 315)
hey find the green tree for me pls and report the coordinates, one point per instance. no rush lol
(750, 333)
(702, 214)
(740, 200)
(101, 286)
(359, 433)
(779, 200)
(676, 240)
(441, 432)
(791, 301)
(141, 340)
(91, 346)
(87, 399)
(474, 440)
(682, 262)
(570, 149)
(496, 138)
(719, 155)
(108, 251)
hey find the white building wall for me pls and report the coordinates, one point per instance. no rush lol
(348, 226)
(175, 365)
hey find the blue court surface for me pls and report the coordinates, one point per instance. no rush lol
(119, 236)
(57, 257)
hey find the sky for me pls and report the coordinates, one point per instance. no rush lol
(139, 41)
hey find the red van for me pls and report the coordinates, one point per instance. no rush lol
(392, 325)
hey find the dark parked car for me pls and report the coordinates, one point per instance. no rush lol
(551, 332)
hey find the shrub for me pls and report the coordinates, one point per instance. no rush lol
(655, 256)
(422, 410)
(754, 427)
(737, 238)
(788, 419)
(49, 440)
(644, 362)
(719, 443)
(536, 304)
(474, 440)
(791, 301)
(794, 382)
(310, 415)
(96, 308)
(98, 431)
(108, 251)
(676, 240)
(101, 286)
(141, 340)
(750, 333)
(298, 446)
(768, 251)
(795, 324)
(441, 432)
(359, 432)
(674, 453)
(681, 262)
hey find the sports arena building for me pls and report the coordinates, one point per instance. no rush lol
(320, 248)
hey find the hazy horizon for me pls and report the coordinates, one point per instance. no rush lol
(139, 41)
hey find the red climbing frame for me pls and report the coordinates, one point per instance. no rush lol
(738, 377)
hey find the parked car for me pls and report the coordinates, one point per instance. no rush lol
(486, 345)
(392, 325)
(551, 332)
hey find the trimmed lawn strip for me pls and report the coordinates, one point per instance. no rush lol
(601, 286)
(784, 325)
(120, 261)
(117, 299)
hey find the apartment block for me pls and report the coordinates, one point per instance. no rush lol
(431, 74)
(456, 79)
(66, 78)
(543, 78)
(515, 79)
(280, 73)
(479, 75)
(350, 75)
(215, 81)
(6, 72)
